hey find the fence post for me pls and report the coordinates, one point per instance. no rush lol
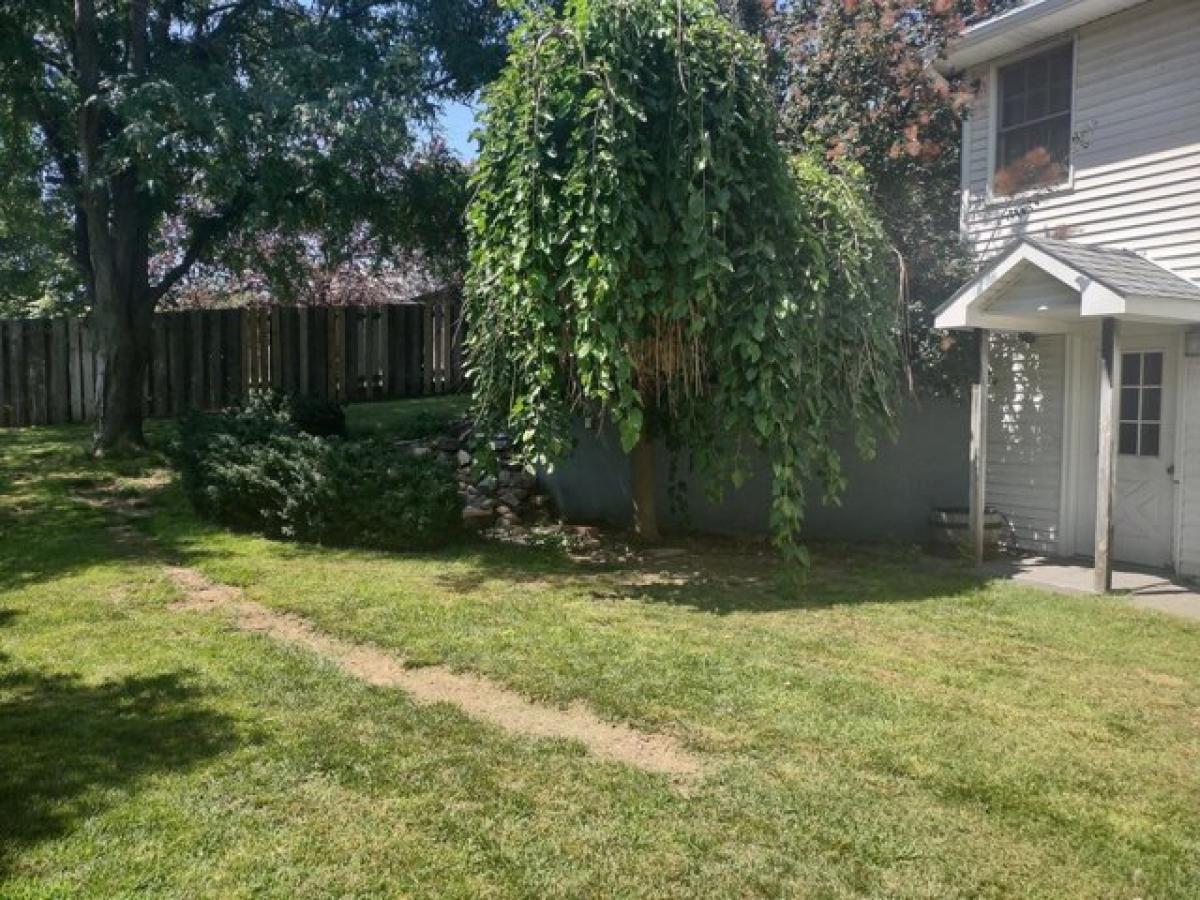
(427, 355)
(351, 322)
(5, 402)
(335, 325)
(160, 381)
(87, 365)
(231, 356)
(59, 406)
(248, 350)
(17, 373)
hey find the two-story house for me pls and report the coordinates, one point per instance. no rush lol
(1081, 196)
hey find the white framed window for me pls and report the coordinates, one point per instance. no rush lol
(1033, 121)
(1141, 403)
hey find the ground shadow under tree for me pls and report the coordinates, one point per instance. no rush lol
(721, 577)
(64, 744)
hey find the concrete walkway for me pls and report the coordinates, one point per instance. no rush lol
(1144, 588)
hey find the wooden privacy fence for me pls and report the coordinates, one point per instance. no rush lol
(49, 368)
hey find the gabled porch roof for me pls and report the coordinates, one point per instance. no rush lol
(1044, 285)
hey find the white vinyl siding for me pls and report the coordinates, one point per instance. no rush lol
(1025, 437)
(1136, 156)
(1188, 471)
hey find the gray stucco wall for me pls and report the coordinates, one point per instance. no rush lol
(887, 499)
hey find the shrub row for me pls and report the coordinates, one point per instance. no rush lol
(260, 467)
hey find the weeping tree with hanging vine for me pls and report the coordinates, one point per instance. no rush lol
(642, 252)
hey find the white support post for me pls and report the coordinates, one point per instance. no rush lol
(979, 416)
(1106, 462)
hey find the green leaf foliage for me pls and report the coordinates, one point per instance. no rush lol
(641, 248)
(854, 80)
(260, 467)
(248, 134)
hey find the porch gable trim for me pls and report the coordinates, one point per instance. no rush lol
(968, 308)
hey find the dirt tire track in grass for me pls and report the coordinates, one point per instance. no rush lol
(478, 697)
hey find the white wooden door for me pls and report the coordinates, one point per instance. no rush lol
(1144, 497)
(1144, 503)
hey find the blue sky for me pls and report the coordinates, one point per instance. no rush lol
(457, 121)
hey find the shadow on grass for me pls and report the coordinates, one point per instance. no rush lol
(721, 577)
(47, 529)
(840, 575)
(49, 532)
(67, 747)
(711, 575)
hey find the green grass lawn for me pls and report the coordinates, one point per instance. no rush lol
(886, 726)
(405, 418)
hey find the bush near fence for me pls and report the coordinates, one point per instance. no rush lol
(206, 359)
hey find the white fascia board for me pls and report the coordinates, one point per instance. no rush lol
(1097, 300)
(1025, 26)
(1184, 312)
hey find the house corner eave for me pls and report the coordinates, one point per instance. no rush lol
(1023, 26)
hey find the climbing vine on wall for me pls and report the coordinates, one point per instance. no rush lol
(642, 250)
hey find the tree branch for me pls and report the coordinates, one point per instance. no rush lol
(92, 196)
(204, 235)
(67, 162)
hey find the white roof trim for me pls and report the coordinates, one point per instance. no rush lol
(968, 307)
(1024, 26)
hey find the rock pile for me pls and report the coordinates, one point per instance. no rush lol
(508, 496)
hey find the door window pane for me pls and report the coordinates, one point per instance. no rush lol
(1129, 403)
(1151, 405)
(1131, 368)
(1149, 444)
(1141, 403)
(1152, 368)
(1128, 445)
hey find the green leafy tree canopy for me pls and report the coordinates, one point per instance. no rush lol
(857, 81)
(642, 250)
(212, 121)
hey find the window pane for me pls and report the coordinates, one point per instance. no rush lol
(1058, 139)
(1060, 96)
(1127, 445)
(1131, 368)
(1013, 110)
(1153, 370)
(1011, 148)
(1149, 440)
(1036, 86)
(1036, 100)
(1012, 80)
(1032, 156)
(1151, 404)
(1129, 404)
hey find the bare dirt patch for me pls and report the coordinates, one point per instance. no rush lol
(478, 697)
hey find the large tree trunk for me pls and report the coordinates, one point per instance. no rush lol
(642, 471)
(118, 243)
(123, 321)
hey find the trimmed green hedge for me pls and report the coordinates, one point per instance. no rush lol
(253, 467)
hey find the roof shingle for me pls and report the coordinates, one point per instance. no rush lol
(1122, 271)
